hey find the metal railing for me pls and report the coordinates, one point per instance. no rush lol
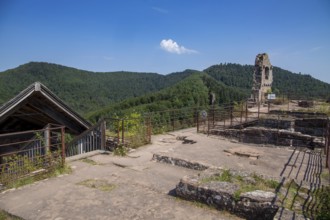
(31, 152)
(90, 140)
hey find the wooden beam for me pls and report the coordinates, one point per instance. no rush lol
(56, 115)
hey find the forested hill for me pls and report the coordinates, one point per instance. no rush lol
(84, 91)
(285, 82)
(193, 91)
(95, 93)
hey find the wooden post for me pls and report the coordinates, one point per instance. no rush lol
(149, 128)
(246, 111)
(172, 121)
(122, 131)
(103, 135)
(197, 120)
(213, 112)
(241, 114)
(231, 115)
(208, 125)
(47, 139)
(258, 110)
(224, 118)
(63, 145)
(118, 130)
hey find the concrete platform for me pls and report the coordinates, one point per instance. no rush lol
(142, 187)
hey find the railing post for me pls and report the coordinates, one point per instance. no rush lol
(241, 113)
(246, 111)
(149, 128)
(258, 109)
(208, 125)
(103, 135)
(197, 120)
(63, 145)
(213, 112)
(231, 116)
(47, 139)
(118, 130)
(122, 130)
(173, 121)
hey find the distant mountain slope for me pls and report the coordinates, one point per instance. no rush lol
(192, 91)
(84, 91)
(298, 85)
(94, 94)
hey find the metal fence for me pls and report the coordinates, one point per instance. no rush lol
(128, 132)
(90, 140)
(31, 152)
(279, 127)
(327, 147)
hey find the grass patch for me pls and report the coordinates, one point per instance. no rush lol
(89, 161)
(313, 203)
(225, 176)
(102, 185)
(7, 216)
(43, 175)
(324, 201)
(120, 151)
(325, 175)
(255, 182)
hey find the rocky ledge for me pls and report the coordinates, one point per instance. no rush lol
(228, 195)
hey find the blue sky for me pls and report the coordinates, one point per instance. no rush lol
(166, 36)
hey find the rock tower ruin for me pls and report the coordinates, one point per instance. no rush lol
(262, 78)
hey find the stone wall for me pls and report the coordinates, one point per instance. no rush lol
(255, 205)
(180, 162)
(311, 126)
(261, 135)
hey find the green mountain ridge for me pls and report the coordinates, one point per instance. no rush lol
(95, 94)
(82, 90)
(193, 91)
(285, 82)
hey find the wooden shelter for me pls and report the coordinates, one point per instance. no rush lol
(34, 108)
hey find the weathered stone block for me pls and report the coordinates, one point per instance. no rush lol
(223, 195)
(179, 162)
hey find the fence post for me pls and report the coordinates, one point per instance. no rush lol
(63, 145)
(327, 146)
(197, 120)
(103, 135)
(118, 130)
(47, 139)
(149, 128)
(213, 112)
(208, 125)
(246, 111)
(241, 113)
(122, 130)
(231, 115)
(172, 120)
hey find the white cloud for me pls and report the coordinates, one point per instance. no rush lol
(173, 47)
(160, 10)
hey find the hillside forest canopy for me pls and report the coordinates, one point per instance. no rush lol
(101, 94)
